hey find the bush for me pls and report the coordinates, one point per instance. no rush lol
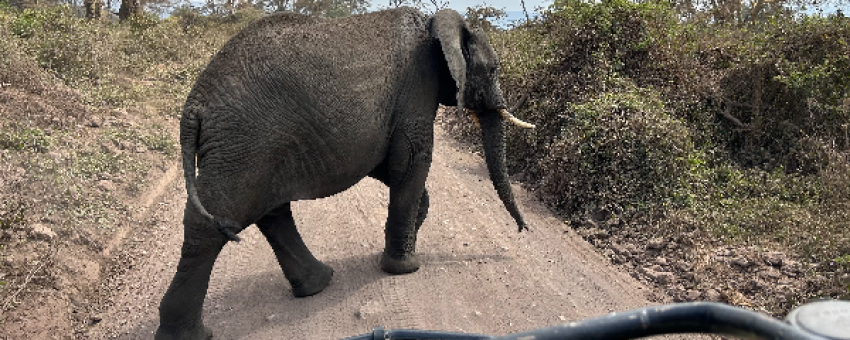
(107, 60)
(48, 32)
(788, 93)
(619, 153)
(16, 138)
(667, 128)
(16, 67)
(615, 35)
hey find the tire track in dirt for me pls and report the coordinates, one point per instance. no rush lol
(143, 211)
(478, 274)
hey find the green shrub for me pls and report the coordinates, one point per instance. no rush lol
(74, 49)
(620, 152)
(160, 141)
(113, 64)
(157, 140)
(605, 139)
(667, 126)
(25, 24)
(16, 138)
(521, 51)
(89, 164)
(615, 36)
(12, 214)
(776, 90)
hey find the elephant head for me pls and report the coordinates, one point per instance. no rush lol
(474, 66)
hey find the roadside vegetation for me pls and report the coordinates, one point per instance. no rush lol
(88, 114)
(710, 157)
(707, 153)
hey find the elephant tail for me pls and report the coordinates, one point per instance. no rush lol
(189, 127)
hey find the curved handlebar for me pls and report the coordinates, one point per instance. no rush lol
(379, 333)
(697, 317)
(832, 323)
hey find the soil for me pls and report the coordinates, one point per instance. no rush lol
(91, 232)
(478, 274)
(691, 267)
(70, 237)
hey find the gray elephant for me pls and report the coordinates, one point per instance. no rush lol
(297, 108)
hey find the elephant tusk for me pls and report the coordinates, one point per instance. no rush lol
(516, 121)
(474, 117)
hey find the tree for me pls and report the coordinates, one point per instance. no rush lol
(479, 16)
(94, 8)
(525, 11)
(273, 5)
(324, 8)
(330, 8)
(430, 7)
(130, 8)
(162, 8)
(739, 12)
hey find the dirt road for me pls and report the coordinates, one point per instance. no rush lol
(478, 274)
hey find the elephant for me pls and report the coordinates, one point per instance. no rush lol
(298, 108)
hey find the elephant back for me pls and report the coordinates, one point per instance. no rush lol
(355, 60)
(293, 96)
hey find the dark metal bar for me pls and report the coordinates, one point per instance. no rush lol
(825, 320)
(379, 333)
(697, 317)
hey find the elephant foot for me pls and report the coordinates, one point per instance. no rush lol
(397, 266)
(196, 333)
(317, 279)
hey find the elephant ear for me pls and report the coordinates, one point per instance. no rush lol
(451, 30)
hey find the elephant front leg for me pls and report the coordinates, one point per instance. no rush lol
(407, 210)
(306, 274)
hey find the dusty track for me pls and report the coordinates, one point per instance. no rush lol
(478, 273)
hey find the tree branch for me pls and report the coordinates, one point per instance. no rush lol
(728, 115)
(527, 18)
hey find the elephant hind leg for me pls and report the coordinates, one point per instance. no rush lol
(306, 274)
(180, 311)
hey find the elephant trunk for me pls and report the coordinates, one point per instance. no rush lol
(493, 136)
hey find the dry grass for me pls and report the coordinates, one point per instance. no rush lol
(87, 111)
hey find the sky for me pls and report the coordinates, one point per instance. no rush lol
(507, 5)
(461, 5)
(512, 7)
